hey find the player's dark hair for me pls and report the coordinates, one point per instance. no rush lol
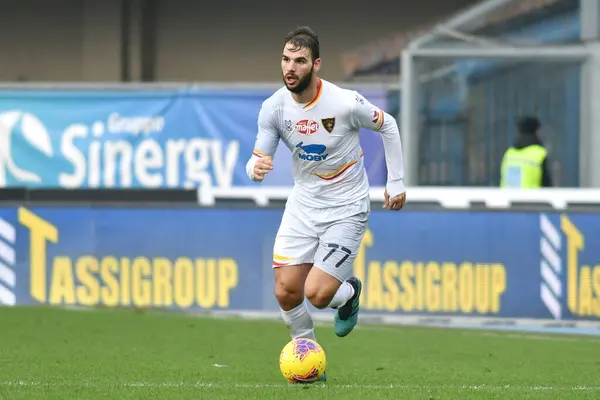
(304, 38)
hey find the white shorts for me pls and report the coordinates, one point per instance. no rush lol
(331, 246)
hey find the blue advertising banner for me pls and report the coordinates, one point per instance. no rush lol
(513, 265)
(143, 139)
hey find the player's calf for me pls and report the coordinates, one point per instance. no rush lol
(299, 322)
(289, 291)
(320, 288)
(319, 297)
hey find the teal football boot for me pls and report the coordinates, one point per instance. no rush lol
(346, 316)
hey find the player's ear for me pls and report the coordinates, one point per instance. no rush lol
(317, 65)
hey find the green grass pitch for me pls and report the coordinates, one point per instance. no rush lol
(124, 354)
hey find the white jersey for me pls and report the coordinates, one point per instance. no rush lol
(323, 137)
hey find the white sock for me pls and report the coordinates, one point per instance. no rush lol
(299, 322)
(343, 294)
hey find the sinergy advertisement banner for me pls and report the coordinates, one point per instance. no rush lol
(143, 139)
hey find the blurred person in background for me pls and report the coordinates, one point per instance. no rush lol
(525, 163)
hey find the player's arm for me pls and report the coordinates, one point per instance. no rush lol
(261, 161)
(366, 115)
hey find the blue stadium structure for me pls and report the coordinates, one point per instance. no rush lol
(467, 117)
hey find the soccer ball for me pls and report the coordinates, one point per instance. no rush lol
(302, 361)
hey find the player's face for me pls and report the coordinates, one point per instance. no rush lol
(297, 68)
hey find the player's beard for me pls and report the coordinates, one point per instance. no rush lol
(302, 85)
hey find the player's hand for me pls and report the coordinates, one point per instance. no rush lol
(396, 203)
(262, 167)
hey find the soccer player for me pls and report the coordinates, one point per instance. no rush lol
(326, 214)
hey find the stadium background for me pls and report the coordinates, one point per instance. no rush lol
(127, 125)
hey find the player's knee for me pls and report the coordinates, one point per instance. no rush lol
(288, 294)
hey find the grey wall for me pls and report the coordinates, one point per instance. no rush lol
(188, 40)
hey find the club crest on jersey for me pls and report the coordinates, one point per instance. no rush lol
(307, 127)
(328, 123)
